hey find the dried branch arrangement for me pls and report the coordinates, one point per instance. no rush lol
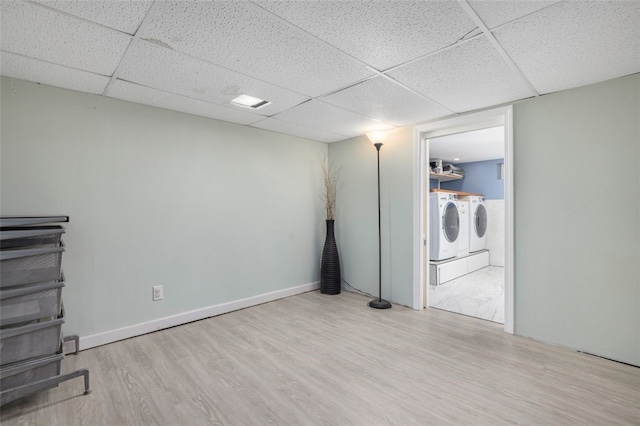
(331, 178)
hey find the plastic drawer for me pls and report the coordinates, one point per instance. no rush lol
(31, 237)
(30, 341)
(29, 266)
(22, 373)
(30, 302)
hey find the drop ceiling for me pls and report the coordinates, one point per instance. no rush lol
(331, 70)
(468, 147)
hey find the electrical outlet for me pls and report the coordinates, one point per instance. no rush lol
(158, 293)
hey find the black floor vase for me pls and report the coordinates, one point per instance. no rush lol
(330, 267)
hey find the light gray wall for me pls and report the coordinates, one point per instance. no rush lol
(213, 211)
(577, 218)
(357, 214)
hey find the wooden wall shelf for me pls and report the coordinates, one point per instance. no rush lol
(441, 177)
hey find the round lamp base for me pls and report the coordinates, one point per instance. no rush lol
(379, 304)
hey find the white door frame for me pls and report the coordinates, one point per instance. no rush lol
(502, 116)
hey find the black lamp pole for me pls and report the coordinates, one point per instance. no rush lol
(379, 303)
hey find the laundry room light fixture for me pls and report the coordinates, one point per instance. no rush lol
(377, 138)
(247, 101)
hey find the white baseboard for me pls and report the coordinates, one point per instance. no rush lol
(111, 336)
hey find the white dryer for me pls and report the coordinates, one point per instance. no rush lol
(477, 224)
(444, 225)
(463, 237)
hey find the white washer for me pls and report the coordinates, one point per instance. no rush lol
(477, 223)
(444, 226)
(463, 238)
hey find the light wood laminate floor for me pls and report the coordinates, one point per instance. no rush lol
(316, 359)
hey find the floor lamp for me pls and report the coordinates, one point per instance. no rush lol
(376, 138)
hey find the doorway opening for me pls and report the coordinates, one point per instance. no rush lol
(466, 256)
(441, 259)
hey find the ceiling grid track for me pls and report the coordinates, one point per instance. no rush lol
(301, 125)
(473, 15)
(504, 24)
(153, 10)
(351, 67)
(74, 17)
(260, 116)
(53, 63)
(224, 68)
(378, 73)
(453, 45)
(415, 92)
(136, 38)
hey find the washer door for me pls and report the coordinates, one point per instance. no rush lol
(450, 222)
(480, 222)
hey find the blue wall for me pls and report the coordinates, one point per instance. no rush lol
(481, 177)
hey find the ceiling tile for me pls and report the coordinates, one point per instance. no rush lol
(171, 71)
(245, 38)
(384, 100)
(319, 115)
(123, 15)
(147, 96)
(469, 76)
(381, 33)
(24, 68)
(297, 130)
(497, 12)
(575, 43)
(40, 33)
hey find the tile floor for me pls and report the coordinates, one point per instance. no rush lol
(479, 294)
